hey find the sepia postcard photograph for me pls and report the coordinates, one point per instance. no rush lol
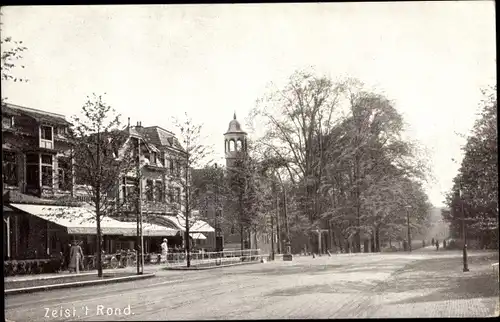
(250, 161)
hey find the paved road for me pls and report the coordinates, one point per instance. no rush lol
(342, 286)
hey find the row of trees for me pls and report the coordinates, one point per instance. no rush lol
(474, 195)
(339, 153)
(332, 157)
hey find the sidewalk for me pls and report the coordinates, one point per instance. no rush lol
(63, 274)
(438, 287)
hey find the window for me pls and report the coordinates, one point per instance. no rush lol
(159, 191)
(64, 173)
(171, 195)
(161, 159)
(62, 130)
(32, 170)
(231, 145)
(47, 179)
(9, 168)
(239, 145)
(8, 122)
(153, 158)
(129, 188)
(149, 190)
(178, 168)
(178, 194)
(171, 166)
(46, 133)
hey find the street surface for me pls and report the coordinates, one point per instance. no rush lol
(425, 283)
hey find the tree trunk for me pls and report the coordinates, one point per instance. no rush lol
(98, 206)
(377, 239)
(373, 242)
(242, 239)
(188, 241)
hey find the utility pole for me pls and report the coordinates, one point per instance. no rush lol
(139, 210)
(464, 235)
(218, 235)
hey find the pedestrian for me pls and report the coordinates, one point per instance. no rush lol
(164, 250)
(423, 243)
(76, 256)
(437, 244)
(444, 244)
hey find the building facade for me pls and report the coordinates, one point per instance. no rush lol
(38, 176)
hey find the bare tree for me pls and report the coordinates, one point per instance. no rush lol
(100, 156)
(195, 153)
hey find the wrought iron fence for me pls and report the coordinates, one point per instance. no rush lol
(214, 259)
(198, 259)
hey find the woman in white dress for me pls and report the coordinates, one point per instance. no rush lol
(164, 250)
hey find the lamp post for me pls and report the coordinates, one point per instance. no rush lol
(464, 236)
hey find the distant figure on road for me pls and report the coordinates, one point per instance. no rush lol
(437, 244)
(164, 250)
(423, 243)
(444, 243)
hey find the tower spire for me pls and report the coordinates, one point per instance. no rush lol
(234, 116)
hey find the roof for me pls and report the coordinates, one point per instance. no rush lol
(157, 136)
(234, 126)
(39, 115)
(199, 226)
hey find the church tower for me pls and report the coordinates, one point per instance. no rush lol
(235, 143)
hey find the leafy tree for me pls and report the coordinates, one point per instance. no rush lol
(478, 178)
(100, 156)
(294, 116)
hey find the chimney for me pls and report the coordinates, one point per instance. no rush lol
(128, 125)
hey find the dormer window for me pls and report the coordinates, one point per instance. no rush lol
(153, 158)
(46, 133)
(46, 137)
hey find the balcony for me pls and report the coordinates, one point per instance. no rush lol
(46, 144)
(158, 207)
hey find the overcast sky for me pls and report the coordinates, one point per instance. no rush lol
(155, 62)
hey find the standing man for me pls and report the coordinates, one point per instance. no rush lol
(164, 250)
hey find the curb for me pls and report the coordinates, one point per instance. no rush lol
(183, 268)
(44, 278)
(76, 284)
